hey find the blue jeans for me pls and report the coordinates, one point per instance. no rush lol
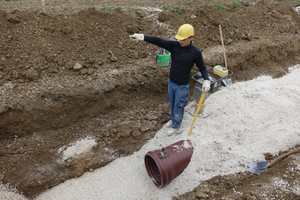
(178, 98)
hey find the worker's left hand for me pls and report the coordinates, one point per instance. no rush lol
(136, 37)
(206, 86)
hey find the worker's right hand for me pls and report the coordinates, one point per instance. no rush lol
(136, 37)
(206, 86)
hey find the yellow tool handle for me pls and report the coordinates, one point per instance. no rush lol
(283, 156)
(196, 114)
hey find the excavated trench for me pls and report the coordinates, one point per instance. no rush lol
(120, 115)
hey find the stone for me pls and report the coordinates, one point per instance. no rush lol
(77, 67)
(1, 177)
(193, 16)
(67, 29)
(136, 134)
(31, 74)
(113, 58)
(201, 195)
(13, 19)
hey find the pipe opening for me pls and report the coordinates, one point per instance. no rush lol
(153, 170)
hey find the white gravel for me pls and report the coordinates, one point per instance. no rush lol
(248, 119)
(78, 148)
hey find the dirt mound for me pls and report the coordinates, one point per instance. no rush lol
(245, 24)
(67, 77)
(53, 44)
(37, 45)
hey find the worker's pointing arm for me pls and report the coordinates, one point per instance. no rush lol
(166, 44)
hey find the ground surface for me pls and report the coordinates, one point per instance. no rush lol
(68, 77)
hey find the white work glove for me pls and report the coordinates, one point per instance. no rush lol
(206, 86)
(136, 37)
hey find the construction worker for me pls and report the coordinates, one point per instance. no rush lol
(183, 56)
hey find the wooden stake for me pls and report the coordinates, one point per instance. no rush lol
(43, 5)
(223, 46)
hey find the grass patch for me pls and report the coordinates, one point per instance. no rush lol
(107, 9)
(175, 9)
(298, 4)
(237, 4)
(219, 6)
(274, 3)
(141, 14)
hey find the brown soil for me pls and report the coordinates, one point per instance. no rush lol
(117, 95)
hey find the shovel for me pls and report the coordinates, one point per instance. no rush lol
(259, 167)
(227, 81)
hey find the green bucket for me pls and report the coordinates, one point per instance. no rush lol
(163, 60)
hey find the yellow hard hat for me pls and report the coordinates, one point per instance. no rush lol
(185, 31)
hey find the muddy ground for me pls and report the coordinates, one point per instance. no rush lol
(68, 77)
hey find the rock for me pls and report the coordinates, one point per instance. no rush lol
(1, 177)
(18, 108)
(84, 71)
(91, 61)
(67, 29)
(127, 127)
(136, 134)
(145, 128)
(77, 67)
(50, 58)
(151, 116)
(60, 62)
(246, 4)
(69, 65)
(246, 37)
(132, 29)
(125, 133)
(14, 74)
(113, 58)
(165, 16)
(228, 42)
(31, 74)
(193, 16)
(201, 195)
(13, 19)
(15, 159)
(268, 156)
(90, 71)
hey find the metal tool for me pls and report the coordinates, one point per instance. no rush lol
(162, 153)
(227, 81)
(259, 167)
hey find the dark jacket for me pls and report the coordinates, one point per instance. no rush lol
(183, 59)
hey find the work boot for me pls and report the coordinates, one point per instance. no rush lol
(169, 123)
(171, 131)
